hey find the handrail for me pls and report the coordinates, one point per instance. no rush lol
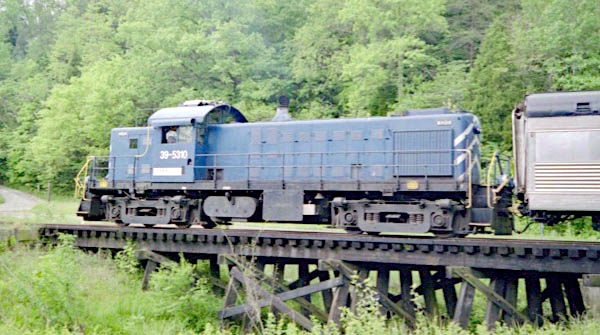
(491, 199)
(335, 152)
(81, 183)
(468, 161)
(147, 144)
(491, 192)
(310, 153)
(470, 173)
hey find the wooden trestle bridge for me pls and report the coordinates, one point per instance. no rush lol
(552, 271)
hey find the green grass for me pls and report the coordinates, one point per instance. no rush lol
(65, 291)
(61, 210)
(1, 199)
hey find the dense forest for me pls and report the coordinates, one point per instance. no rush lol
(72, 69)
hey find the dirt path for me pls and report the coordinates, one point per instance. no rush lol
(16, 201)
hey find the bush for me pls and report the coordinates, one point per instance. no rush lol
(47, 295)
(64, 290)
(183, 293)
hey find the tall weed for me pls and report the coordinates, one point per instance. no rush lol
(48, 294)
(183, 292)
(126, 259)
(64, 290)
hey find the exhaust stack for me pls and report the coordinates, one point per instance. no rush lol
(283, 110)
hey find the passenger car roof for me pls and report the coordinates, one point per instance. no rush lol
(563, 104)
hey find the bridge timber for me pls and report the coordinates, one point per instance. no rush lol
(552, 271)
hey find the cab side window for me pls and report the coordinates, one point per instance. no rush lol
(169, 134)
(186, 134)
(177, 134)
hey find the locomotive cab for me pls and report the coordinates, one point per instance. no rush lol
(181, 139)
(173, 152)
(170, 151)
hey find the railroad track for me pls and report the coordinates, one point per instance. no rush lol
(485, 253)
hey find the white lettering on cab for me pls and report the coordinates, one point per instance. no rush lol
(173, 154)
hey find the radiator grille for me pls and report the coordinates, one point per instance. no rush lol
(567, 177)
(427, 152)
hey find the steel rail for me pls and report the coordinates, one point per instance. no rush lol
(484, 253)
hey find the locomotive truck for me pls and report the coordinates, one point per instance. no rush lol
(202, 163)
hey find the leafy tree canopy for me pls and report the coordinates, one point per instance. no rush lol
(72, 69)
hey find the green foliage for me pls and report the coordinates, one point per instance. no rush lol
(126, 259)
(71, 70)
(580, 228)
(468, 21)
(350, 64)
(183, 292)
(47, 294)
(65, 291)
(558, 47)
(495, 86)
(448, 88)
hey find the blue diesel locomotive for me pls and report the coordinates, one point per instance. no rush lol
(203, 163)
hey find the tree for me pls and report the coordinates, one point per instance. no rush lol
(467, 24)
(559, 47)
(495, 85)
(358, 57)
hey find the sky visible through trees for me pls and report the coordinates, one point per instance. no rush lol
(72, 69)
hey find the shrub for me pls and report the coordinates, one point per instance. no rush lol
(126, 259)
(48, 293)
(64, 290)
(183, 292)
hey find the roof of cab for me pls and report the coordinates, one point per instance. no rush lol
(187, 114)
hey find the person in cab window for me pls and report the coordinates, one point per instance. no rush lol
(172, 135)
